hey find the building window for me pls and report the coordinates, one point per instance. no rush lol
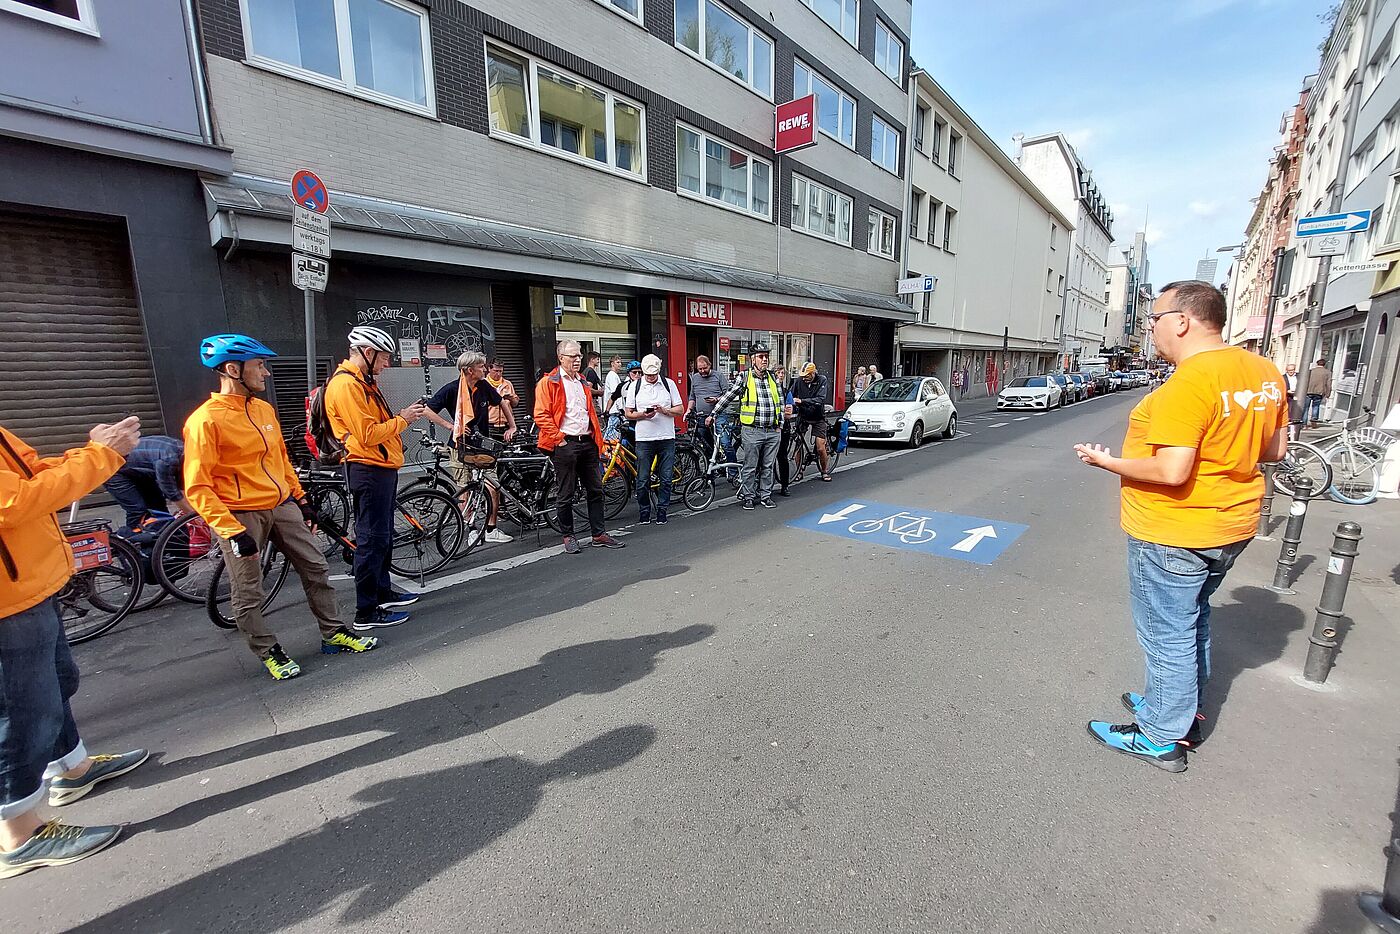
(836, 113)
(920, 122)
(375, 48)
(711, 32)
(1049, 280)
(541, 106)
(916, 211)
(1061, 288)
(938, 129)
(1054, 236)
(954, 145)
(882, 229)
(934, 205)
(821, 212)
(889, 53)
(70, 14)
(884, 145)
(949, 216)
(840, 15)
(718, 172)
(629, 8)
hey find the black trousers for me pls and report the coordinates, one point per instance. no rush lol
(373, 490)
(785, 455)
(577, 462)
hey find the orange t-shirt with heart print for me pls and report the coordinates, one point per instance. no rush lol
(1228, 404)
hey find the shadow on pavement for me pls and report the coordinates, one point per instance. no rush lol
(1337, 910)
(587, 668)
(1250, 633)
(411, 830)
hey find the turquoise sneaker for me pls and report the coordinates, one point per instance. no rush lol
(56, 844)
(1193, 738)
(67, 790)
(1129, 740)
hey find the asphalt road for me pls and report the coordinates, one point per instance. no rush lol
(739, 725)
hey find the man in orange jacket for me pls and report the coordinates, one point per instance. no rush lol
(239, 479)
(38, 738)
(361, 419)
(569, 434)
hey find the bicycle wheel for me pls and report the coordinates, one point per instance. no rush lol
(184, 556)
(833, 453)
(333, 506)
(216, 602)
(476, 510)
(699, 493)
(1356, 475)
(1303, 460)
(95, 600)
(687, 469)
(427, 532)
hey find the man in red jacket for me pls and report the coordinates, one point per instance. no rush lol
(569, 433)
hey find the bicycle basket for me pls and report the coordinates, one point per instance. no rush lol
(479, 450)
(1374, 436)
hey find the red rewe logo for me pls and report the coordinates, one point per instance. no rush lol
(707, 311)
(795, 124)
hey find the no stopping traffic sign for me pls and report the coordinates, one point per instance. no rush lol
(310, 192)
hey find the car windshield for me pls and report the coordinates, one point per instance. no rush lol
(1021, 381)
(892, 390)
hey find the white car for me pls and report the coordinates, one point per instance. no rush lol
(903, 408)
(1039, 393)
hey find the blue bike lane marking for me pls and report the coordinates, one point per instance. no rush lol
(945, 534)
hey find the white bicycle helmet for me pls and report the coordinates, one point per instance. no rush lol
(373, 338)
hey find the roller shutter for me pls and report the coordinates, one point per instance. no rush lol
(511, 321)
(76, 351)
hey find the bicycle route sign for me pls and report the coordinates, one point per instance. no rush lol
(945, 534)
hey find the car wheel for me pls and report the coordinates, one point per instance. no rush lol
(1062, 400)
(916, 435)
(950, 430)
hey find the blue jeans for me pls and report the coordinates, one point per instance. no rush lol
(1170, 590)
(137, 494)
(664, 452)
(373, 489)
(1314, 408)
(38, 738)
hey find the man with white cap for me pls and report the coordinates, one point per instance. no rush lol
(651, 404)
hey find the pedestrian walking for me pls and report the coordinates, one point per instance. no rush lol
(1290, 380)
(151, 480)
(1191, 488)
(651, 406)
(1319, 388)
(362, 421)
(39, 741)
(241, 482)
(471, 399)
(569, 433)
(759, 401)
(706, 386)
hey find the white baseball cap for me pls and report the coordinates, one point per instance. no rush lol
(651, 364)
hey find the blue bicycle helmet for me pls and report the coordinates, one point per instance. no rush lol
(223, 348)
(633, 365)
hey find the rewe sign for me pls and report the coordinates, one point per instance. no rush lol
(708, 312)
(796, 126)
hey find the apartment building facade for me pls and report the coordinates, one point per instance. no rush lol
(997, 246)
(1051, 162)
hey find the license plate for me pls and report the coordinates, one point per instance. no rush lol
(91, 550)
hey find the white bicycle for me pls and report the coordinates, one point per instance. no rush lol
(911, 529)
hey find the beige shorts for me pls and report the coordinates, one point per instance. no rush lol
(461, 473)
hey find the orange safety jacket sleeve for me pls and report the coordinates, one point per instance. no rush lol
(56, 482)
(201, 453)
(347, 403)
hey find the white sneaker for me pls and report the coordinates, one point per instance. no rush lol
(497, 537)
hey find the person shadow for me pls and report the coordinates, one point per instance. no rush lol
(583, 669)
(412, 829)
(1249, 633)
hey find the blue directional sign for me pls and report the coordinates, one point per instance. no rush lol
(966, 538)
(1320, 224)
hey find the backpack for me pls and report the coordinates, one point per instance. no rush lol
(320, 436)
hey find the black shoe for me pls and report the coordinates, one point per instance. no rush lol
(379, 617)
(767, 504)
(397, 599)
(1193, 738)
(784, 492)
(660, 517)
(571, 545)
(747, 504)
(644, 518)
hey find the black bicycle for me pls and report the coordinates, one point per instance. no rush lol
(804, 447)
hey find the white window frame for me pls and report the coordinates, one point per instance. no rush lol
(346, 46)
(936, 151)
(715, 202)
(854, 37)
(950, 217)
(86, 22)
(641, 5)
(1392, 212)
(813, 75)
(950, 161)
(889, 40)
(753, 31)
(532, 96)
(916, 210)
(821, 235)
(935, 210)
(880, 218)
(874, 121)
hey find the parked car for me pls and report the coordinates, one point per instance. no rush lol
(1121, 380)
(1082, 385)
(1100, 382)
(1071, 392)
(903, 408)
(1031, 392)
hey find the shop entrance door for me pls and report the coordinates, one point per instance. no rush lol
(699, 341)
(824, 356)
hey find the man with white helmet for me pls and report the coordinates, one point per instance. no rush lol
(364, 424)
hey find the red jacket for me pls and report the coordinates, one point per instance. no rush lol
(550, 405)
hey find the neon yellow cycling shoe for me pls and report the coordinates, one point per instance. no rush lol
(280, 666)
(342, 640)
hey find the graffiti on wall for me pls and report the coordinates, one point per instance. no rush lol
(459, 328)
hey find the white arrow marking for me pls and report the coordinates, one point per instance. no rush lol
(974, 537)
(1355, 220)
(841, 514)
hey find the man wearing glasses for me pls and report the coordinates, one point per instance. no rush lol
(1190, 496)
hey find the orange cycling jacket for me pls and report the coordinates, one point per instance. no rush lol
(236, 461)
(361, 419)
(35, 559)
(551, 403)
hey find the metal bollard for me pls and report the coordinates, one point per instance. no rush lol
(1322, 648)
(1266, 506)
(1292, 535)
(1384, 909)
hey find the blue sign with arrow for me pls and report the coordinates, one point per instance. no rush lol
(1320, 224)
(966, 538)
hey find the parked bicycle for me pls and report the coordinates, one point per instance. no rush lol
(804, 447)
(1355, 455)
(106, 583)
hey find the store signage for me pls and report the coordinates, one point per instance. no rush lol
(796, 124)
(709, 313)
(724, 344)
(917, 284)
(1254, 327)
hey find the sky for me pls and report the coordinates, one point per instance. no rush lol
(1174, 105)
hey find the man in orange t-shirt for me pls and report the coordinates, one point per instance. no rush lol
(1191, 488)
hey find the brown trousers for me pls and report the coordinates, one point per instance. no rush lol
(285, 527)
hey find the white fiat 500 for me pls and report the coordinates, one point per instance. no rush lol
(1031, 392)
(903, 408)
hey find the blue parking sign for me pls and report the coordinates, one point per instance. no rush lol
(945, 534)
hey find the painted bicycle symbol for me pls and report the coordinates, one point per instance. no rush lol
(911, 529)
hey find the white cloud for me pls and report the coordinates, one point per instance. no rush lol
(1081, 137)
(1204, 208)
